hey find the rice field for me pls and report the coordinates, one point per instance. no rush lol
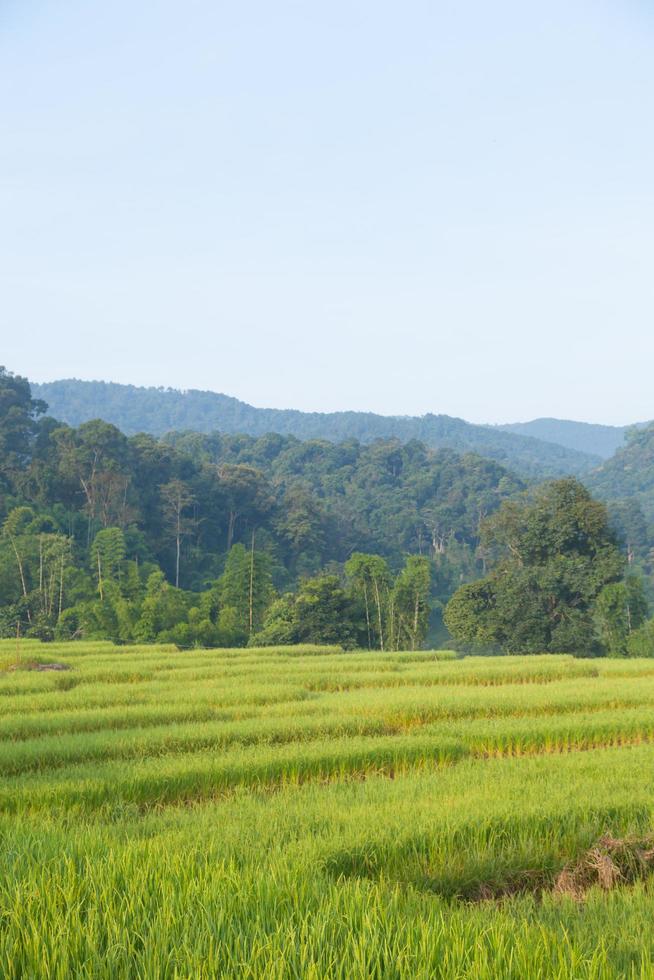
(304, 812)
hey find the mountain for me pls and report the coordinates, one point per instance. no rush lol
(630, 473)
(161, 410)
(585, 437)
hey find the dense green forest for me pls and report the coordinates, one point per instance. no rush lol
(229, 539)
(158, 411)
(199, 538)
(556, 579)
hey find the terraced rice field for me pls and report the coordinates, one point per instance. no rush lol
(301, 813)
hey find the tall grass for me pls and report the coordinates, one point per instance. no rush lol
(310, 813)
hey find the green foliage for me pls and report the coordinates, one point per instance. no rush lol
(552, 552)
(620, 609)
(101, 529)
(629, 474)
(163, 608)
(90, 514)
(245, 587)
(409, 608)
(321, 612)
(18, 414)
(108, 552)
(640, 642)
(160, 411)
(371, 583)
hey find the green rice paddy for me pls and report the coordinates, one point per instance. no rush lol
(292, 813)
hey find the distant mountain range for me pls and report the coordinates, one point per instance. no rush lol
(545, 447)
(585, 437)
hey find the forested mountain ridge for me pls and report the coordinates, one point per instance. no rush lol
(585, 437)
(158, 411)
(630, 472)
(195, 539)
(230, 539)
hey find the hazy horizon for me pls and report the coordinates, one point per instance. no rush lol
(514, 421)
(447, 208)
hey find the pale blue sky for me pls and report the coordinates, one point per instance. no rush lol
(404, 207)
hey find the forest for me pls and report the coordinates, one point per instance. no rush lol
(531, 452)
(215, 539)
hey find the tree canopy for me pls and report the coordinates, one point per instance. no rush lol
(551, 554)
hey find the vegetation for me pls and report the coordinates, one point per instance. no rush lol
(229, 540)
(207, 540)
(630, 473)
(204, 814)
(555, 564)
(158, 410)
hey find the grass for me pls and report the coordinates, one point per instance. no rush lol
(313, 813)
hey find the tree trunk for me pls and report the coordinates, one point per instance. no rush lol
(230, 529)
(379, 615)
(100, 577)
(365, 599)
(61, 586)
(416, 613)
(178, 547)
(22, 575)
(251, 595)
(41, 573)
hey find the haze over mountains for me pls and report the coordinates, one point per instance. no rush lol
(543, 447)
(585, 437)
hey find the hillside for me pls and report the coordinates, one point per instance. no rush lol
(98, 526)
(158, 410)
(630, 473)
(584, 437)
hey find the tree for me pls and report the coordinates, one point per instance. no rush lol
(163, 608)
(94, 461)
(248, 496)
(552, 554)
(632, 529)
(321, 612)
(324, 613)
(14, 531)
(18, 424)
(469, 614)
(620, 609)
(177, 500)
(301, 525)
(280, 626)
(640, 643)
(371, 582)
(107, 555)
(55, 557)
(34, 560)
(410, 604)
(246, 586)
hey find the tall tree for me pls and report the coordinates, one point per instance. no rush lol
(620, 609)
(107, 554)
(18, 425)
(371, 581)
(246, 586)
(553, 552)
(248, 494)
(410, 603)
(178, 499)
(321, 612)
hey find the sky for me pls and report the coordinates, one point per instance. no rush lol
(427, 206)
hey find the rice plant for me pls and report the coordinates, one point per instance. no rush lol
(315, 813)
